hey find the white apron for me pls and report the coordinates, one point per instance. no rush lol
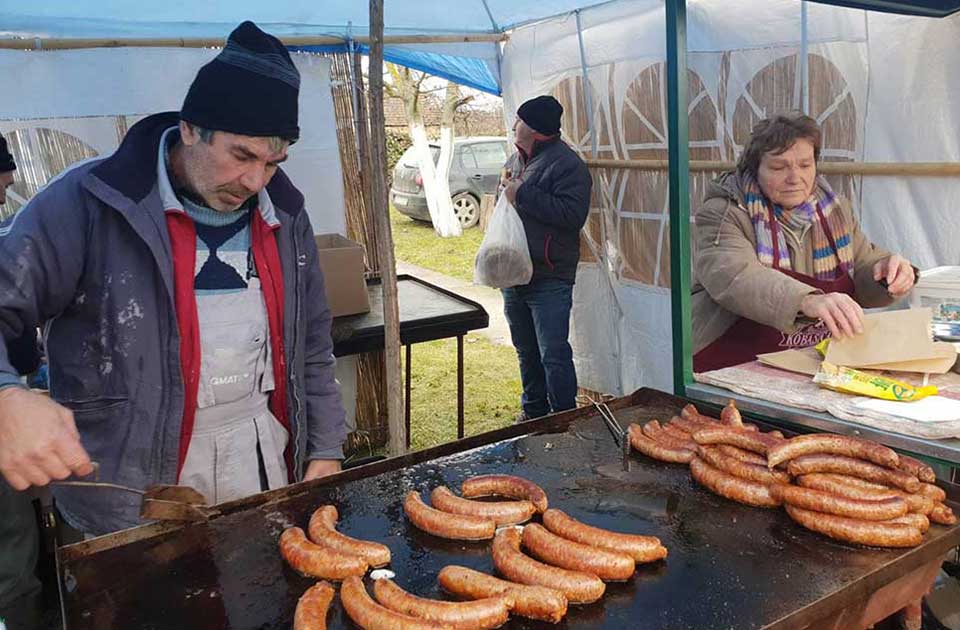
(233, 421)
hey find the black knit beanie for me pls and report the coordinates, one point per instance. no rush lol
(542, 114)
(250, 88)
(6, 159)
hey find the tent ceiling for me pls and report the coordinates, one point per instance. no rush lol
(127, 18)
(473, 64)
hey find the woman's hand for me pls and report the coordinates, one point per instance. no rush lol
(842, 315)
(898, 272)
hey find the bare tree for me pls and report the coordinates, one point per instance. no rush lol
(407, 85)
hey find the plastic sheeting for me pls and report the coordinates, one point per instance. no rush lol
(743, 65)
(473, 65)
(69, 105)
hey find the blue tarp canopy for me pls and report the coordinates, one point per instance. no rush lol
(472, 64)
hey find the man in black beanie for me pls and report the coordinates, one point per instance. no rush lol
(549, 185)
(188, 332)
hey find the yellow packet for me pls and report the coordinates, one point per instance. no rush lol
(822, 347)
(850, 381)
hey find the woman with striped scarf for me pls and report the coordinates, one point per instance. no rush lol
(780, 259)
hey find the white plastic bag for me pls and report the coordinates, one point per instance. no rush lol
(503, 259)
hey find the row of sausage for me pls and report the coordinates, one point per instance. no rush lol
(545, 566)
(847, 488)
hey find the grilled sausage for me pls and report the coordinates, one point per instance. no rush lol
(942, 515)
(731, 415)
(913, 519)
(677, 432)
(370, 615)
(501, 512)
(741, 454)
(833, 445)
(578, 587)
(505, 486)
(744, 470)
(312, 607)
(490, 612)
(849, 487)
(741, 438)
(827, 503)
(640, 548)
(307, 558)
(690, 425)
(444, 524)
(533, 602)
(730, 487)
(656, 450)
(567, 554)
(690, 412)
(917, 469)
(873, 533)
(655, 432)
(839, 464)
(934, 492)
(322, 530)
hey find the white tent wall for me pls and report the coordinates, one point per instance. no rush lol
(744, 65)
(912, 116)
(91, 94)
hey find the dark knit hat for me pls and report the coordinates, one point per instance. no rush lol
(250, 88)
(6, 159)
(542, 114)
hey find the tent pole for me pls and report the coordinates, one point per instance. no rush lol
(587, 89)
(679, 178)
(16, 43)
(804, 69)
(388, 269)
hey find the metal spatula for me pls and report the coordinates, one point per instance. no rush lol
(161, 502)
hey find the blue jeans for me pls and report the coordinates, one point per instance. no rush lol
(539, 319)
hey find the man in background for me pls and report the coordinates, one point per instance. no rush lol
(549, 185)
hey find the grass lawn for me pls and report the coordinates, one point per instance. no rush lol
(491, 389)
(415, 242)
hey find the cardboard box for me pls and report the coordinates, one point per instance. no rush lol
(342, 263)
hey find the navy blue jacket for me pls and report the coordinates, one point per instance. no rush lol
(553, 202)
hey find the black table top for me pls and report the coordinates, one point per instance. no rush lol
(729, 566)
(427, 312)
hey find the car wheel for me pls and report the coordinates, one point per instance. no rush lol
(467, 209)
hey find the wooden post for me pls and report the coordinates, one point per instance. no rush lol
(388, 270)
(487, 203)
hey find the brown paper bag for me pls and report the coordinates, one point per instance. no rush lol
(793, 361)
(894, 340)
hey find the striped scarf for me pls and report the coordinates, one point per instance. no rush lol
(826, 266)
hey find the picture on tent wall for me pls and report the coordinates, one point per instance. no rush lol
(576, 132)
(42, 152)
(643, 206)
(628, 220)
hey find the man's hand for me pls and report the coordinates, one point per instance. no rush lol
(39, 441)
(321, 468)
(511, 190)
(898, 273)
(838, 311)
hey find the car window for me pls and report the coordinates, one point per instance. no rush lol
(410, 157)
(467, 158)
(489, 154)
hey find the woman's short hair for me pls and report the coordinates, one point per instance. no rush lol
(776, 135)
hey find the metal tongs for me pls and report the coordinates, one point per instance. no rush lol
(161, 502)
(613, 425)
